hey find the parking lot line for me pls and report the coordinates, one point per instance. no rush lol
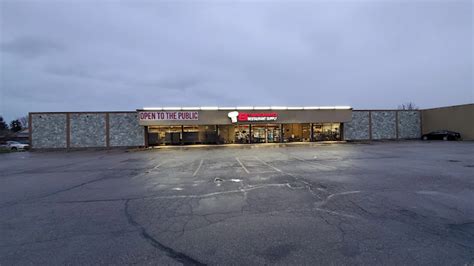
(267, 164)
(313, 163)
(199, 167)
(243, 166)
(156, 166)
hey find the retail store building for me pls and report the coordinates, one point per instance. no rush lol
(218, 125)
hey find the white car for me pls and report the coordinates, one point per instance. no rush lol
(16, 146)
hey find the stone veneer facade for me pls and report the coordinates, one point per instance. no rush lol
(88, 130)
(383, 124)
(125, 130)
(409, 125)
(85, 130)
(359, 127)
(48, 130)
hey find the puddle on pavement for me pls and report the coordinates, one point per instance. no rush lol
(218, 181)
(220, 204)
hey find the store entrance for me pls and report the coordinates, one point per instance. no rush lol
(269, 133)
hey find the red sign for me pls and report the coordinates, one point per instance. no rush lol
(169, 115)
(252, 117)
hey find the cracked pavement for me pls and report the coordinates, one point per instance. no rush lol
(379, 203)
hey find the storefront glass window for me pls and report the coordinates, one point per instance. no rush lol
(296, 132)
(226, 134)
(199, 134)
(208, 134)
(326, 131)
(305, 132)
(162, 135)
(165, 135)
(242, 134)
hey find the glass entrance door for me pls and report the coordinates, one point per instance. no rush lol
(259, 134)
(266, 133)
(273, 133)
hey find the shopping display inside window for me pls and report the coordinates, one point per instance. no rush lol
(326, 131)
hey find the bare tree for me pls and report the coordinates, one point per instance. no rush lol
(24, 121)
(15, 126)
(408, 106)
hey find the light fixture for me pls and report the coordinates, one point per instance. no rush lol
(279, 108)
(152, 108)
(244, 108)
(208, 108)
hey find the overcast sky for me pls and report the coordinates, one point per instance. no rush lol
(85, 56)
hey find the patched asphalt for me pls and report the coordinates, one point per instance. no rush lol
(376, 203)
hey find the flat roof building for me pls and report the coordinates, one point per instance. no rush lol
(218, 125)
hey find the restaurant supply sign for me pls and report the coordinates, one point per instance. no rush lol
(169, 116)
(251, 117)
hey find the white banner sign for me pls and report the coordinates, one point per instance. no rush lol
(147, 116)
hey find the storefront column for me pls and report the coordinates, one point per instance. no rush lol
(311, 132)
(281, 132)
(181, 136)
(218, 140)
(250, 133)
(341, 131)
(146, 136)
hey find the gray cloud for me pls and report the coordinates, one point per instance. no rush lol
(29, 46)
(80, 55)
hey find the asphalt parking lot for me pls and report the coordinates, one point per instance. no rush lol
(379, 203)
